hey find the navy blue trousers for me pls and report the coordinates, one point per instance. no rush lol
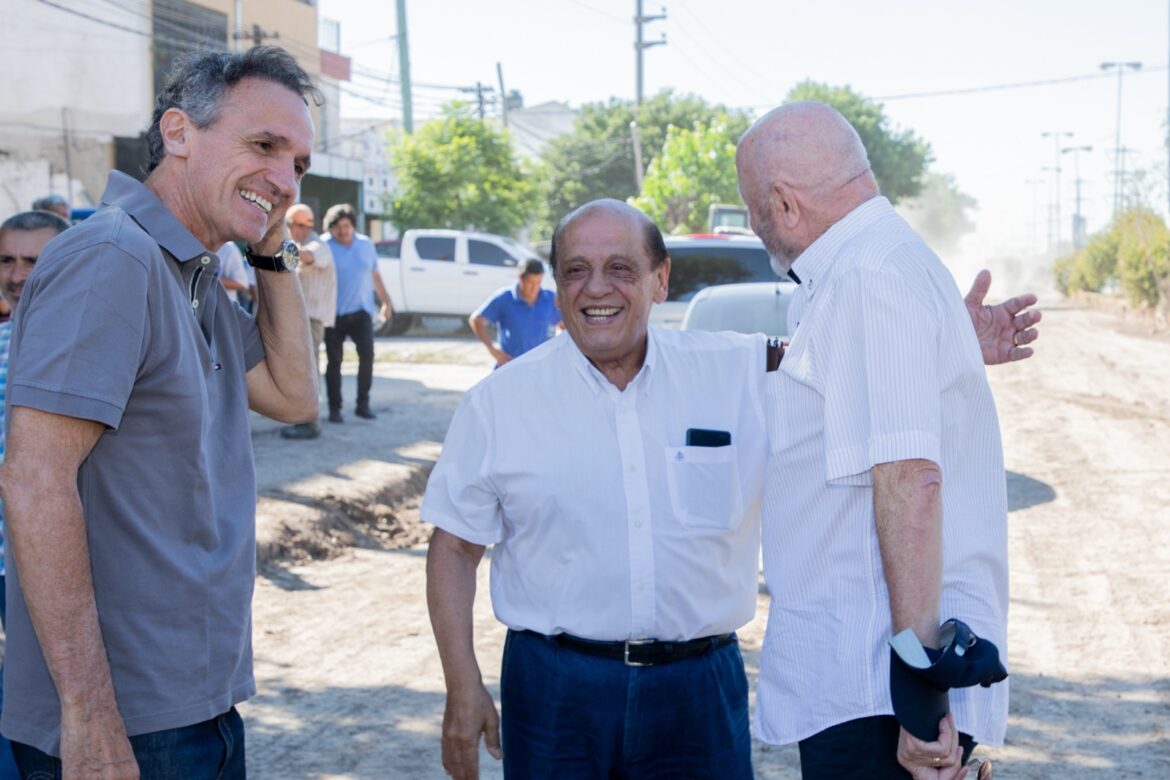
(573, 716)
(862, 749)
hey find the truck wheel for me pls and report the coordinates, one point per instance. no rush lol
(396, 325)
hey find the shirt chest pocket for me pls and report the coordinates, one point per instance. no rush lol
(704, 486)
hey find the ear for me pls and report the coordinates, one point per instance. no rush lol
(177, 131)
(662, 272)
(785, 205)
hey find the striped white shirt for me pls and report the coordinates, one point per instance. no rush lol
(606, 525)
(883, 366)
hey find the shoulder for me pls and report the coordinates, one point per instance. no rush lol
(682, 342)
(109, 237)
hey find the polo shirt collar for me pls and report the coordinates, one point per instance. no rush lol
(597, 381)
(815, 265)
(144, 207)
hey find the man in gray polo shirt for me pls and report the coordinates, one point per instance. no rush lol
(129, 482)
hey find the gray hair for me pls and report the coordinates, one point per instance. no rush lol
(49, 202)
(29, 221)
(199, 81)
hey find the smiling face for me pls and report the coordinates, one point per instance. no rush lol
(606, 286)
(19, 250)
(242, 172)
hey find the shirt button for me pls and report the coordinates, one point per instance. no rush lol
(637, 524)
(195, 304)
(205, 260)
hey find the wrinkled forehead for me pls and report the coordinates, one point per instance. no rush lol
(602, 233)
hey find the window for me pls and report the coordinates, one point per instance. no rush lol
(487, 253)
(693, 268)
(180, 27)
(435, 248)
(388, 249)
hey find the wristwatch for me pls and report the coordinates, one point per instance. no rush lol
(286, 259)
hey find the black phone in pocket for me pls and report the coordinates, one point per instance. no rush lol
(704, 437)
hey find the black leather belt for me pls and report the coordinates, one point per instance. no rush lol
(642, 652)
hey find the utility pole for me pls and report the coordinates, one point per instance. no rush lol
(503, 94)
(257, 35)
(404, 69)
(1078, 221)
(238, 35)
(1119, 160)
(479, 98)
(641, 45)
(636, 138)
(1120, 154)
(1054, 228)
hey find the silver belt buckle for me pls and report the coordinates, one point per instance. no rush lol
(636, 642)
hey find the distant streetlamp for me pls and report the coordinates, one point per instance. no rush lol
(1078, 221)
(1118, 158)
(1054, 227)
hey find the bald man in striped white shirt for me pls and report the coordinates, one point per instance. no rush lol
(885, 502)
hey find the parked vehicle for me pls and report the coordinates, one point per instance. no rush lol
(759, 307)
(446, 273)
(699, 261)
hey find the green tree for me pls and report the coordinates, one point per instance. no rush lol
(1143, 259)
(459, 172)
(596, 160)
(898, 157)
(695, 169)
(939, 212)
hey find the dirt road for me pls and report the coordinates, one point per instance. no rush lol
(350, 684)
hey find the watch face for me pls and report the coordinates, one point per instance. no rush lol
(290, 255)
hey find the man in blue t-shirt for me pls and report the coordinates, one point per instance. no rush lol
(358, 280)
(524, 314)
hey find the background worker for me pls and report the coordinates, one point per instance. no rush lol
(524, 315)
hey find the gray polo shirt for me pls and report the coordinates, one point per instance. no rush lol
(124, 322)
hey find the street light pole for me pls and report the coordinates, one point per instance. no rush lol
(1119, 161)
(1054, 229)
(1078, 221)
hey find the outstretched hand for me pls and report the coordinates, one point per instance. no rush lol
(1005, 329)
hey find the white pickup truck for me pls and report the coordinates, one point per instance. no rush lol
(446, 273)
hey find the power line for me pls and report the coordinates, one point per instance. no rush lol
(1013, 85)
(599, 12)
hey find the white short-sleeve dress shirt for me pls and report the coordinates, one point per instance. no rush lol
(605, 525)
(883, 366)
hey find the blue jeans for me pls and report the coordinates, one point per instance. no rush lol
(569, 715)
(211, 750)
(860, 749)
(7, 763)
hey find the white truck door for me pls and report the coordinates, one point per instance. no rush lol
(490, 266)
(432, 276)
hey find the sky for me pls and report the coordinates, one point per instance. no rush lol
(750, 53)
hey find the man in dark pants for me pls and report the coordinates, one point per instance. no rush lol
(357, 281)
(129, 480)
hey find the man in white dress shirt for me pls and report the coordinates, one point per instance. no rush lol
(618, 474)
(885, 501)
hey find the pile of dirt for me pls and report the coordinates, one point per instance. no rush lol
(296, 529)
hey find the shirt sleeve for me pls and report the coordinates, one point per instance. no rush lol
(81, 335)
(879, 367)
(491, 309)
(249, 335)
(459, 497)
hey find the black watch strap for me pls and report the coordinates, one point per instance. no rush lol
(285, 259)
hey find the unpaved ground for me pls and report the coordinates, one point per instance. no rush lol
(350, 684)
